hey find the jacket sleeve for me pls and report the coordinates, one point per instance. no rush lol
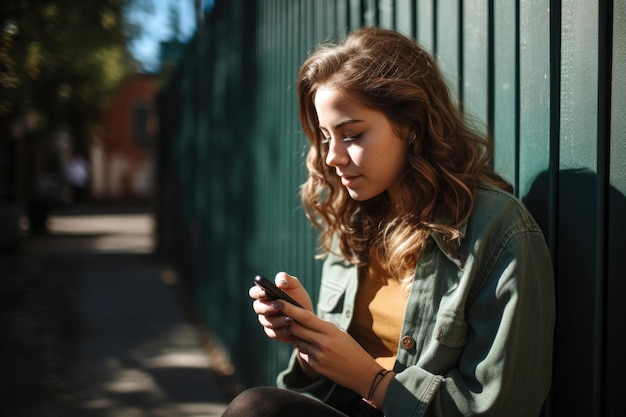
(504, 368)
(294, 379)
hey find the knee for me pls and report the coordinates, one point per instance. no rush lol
(249, 403)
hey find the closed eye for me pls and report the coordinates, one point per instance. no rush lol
(351, 138)
(326, 141)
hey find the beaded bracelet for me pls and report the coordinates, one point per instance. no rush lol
(377, 380)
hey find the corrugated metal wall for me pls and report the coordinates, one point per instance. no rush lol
(547, 76)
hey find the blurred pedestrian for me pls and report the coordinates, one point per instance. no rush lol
(77, 176)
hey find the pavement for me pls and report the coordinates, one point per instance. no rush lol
(92, 324)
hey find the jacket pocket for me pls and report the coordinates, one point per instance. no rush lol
(451, 329)
(331, 297)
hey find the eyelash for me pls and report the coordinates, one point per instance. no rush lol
(326, 140)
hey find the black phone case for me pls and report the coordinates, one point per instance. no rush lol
(272, 291)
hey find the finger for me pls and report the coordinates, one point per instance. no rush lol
(275, 321)
(282, 334)
(256, 292)
(310, 338)
(284, 281)
(294, 288)
(306, 351)
(303, 316)
(266, 306)
(301, 345)
(304, 347)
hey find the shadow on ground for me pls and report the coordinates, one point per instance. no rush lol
(39, 331)
(89, 327)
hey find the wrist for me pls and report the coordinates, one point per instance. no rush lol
(378, 389)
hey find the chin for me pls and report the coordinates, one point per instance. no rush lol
(357, 196)
(353, 195)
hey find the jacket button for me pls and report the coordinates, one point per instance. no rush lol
(408, 342)
(348, 313)
(331, 301)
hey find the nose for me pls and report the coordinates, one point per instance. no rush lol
(337, 154)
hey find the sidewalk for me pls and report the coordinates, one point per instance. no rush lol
(90, 325)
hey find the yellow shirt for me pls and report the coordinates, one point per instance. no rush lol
(379, 312)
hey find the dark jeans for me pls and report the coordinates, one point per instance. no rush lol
(276, 402)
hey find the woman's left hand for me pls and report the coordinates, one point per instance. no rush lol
(330, 351)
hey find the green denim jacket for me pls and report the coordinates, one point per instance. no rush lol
(478, 326)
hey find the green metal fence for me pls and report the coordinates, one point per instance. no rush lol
(547, 77)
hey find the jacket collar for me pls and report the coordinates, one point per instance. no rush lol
(455, 256)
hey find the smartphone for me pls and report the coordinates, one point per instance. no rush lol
(272, 291)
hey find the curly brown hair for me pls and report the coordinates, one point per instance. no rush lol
(390, 73)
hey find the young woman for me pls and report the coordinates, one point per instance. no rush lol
(437, 291)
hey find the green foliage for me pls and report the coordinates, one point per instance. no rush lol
(62, 56)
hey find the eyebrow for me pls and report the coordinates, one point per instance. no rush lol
(343, 123)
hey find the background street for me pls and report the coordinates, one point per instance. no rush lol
(91, 324)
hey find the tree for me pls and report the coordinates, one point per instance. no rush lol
(60, 59)
(174, 18)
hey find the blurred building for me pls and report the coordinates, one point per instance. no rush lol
(122, 162)
(122, 151)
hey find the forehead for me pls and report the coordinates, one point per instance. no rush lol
(334, 105)
(332, 98)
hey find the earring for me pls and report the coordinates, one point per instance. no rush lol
(413, 138)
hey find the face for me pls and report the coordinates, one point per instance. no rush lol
(363, 147)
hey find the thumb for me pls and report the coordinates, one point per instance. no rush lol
(294, 288)
(284, 281)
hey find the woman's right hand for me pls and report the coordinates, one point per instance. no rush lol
(277, 326)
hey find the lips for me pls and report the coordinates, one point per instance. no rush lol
(346, 180)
